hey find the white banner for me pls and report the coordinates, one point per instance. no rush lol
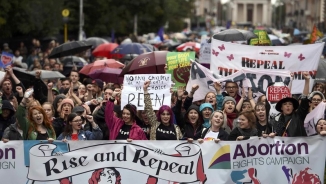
(292, 160)
(159, 89)
(227, 58)
(312, 118)
(205, 50)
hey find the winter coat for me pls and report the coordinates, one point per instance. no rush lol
(58, 125)
(222, 135)
(153, 119)
(296, 126)
(96, 134)
(12, 133)
(25, 124)
(99, 118)
(4, 123)
(114, 124)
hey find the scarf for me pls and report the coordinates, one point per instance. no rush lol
(206, 123)
(230, 118)
(248, 132)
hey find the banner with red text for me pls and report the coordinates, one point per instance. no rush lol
(292, 160)
(227, 58)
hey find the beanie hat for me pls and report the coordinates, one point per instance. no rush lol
(316, 93)
(87, 81)
(206, 105)
(195, 107)
(98, 82)
(64, 101)
(228, 98)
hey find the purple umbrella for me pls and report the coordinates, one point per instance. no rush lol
(108, 75)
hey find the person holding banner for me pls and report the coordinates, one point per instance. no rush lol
(37, 125)
(230, 112)
(162, 126)
(315, 98)
(246, 127)
(74, 131)
(215, 132)
(261, 114)
(290, 121)
(125, 128)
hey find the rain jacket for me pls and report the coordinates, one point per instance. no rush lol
(114, 125)
(12, 133)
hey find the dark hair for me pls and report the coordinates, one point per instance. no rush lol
(66, 79)
(260, 98)
(250, 115)
(133, 111)
(317, 84)
(73, 70)
(68, 128)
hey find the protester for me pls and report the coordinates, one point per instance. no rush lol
(289, 123)
(49, 110)
(13, 132)
(125, 128)
(231, 113)
(206, 110)
(74, 130)
(64, 110)
(246, 127)
(7, 117)
(215, 132)
(162, 125)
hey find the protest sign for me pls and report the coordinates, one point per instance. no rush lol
(292, 160)
(205, 50)
(262, 39)
(6, 59)
(312, 118)
(159, 90)
(227, 58)
(178, 64)
(277, 93)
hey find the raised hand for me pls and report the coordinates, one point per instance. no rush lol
(217, 86)
(146, 85)
(38, 74)
(306, 75)
(194, 88)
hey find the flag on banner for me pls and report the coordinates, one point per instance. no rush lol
(160, 33)
(6, 59)
(203, 77)
(313, 117)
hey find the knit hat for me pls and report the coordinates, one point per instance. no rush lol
(316, 93)
(66, 100)
(228, 98)
(195, 107)
(98, 82)
(206, 105)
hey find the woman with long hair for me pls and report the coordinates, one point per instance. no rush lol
(64, 109)
(74, 131)
(246, 127)
(162, 124)
(262, 125)
(49, 110)
(124, 128)
(37, 126)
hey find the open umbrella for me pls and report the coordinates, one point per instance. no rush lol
(69, 49)
(105, 49)
(276, 40)
(189, 45)
(132, 48)
(107, 75)
(74, 60)
(95, 41)
(148, 63)
(234, 35)
(100, 64)
(51, 75)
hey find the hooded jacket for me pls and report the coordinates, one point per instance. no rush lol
(188, 130)
(114, 125)
(201, 108)
(12, 133)
(6, 122)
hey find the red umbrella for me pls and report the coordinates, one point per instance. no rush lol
(107, 75)
(105, 49)
(100, 64)
(189, 45)
(148, 63)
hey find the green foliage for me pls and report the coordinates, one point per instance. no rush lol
(43, 17)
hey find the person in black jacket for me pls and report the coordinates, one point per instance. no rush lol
(290, 121)
(13, 132)
(246, 127)
(215, 132)
(7, 116)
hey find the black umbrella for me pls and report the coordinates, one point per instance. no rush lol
(70, 60)
(95, 41)
(234, 35)
(68, 49)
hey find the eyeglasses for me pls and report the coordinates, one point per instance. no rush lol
(315, 100)
(78, 120)
(231, 87)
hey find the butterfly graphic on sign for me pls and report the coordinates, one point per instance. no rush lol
(221, 47)
(6, 59)
(286, 54)
(230, 57)
(301, 57)
(215, 53)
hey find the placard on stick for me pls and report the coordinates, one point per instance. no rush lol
(159, 90)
